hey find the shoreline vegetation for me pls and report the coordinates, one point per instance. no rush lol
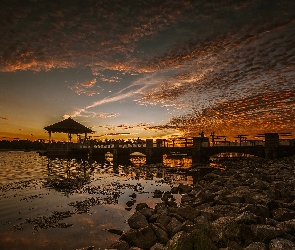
(250, 206)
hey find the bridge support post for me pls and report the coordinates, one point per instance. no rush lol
(149, 150)
(115, 155)
(271, 145)
(197, 152)
(153, 155)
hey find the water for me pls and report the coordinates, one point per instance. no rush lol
(69, 204)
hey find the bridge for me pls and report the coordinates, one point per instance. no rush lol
(198, 148)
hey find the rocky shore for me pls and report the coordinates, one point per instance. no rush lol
(250, 206)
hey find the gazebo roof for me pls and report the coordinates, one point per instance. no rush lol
(68, 126)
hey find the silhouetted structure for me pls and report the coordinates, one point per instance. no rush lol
(68, 126)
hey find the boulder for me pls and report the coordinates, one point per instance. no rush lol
(181, 241)
(140, 206)
(266, 231)
(283, 214)
(161, 234)
(158, 246)
(184, 188)
(120, 245)
(281, 244)
(137, 220)
(144, 238)
(174, 226)
(247, 218)
(256, 246)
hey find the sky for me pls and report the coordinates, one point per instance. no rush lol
(147, 68)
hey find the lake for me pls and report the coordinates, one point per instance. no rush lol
(70, 204)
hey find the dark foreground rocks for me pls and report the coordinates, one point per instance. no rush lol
(248, 206)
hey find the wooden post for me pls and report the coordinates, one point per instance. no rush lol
(115, 155)
(149, 150)
(271, 145)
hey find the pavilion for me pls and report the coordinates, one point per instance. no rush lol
(68, 126)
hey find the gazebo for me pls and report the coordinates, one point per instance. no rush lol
(68, 126)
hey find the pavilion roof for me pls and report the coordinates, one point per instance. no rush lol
(68, 126)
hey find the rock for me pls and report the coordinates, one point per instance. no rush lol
(188, 226)
(144, 238)
(161, 234)
(130, 203)
(247, 218)
(184, 188)
(281, 244)
(174, 226)
(86, 248)
(140, 206)
(218, 227)
(133, 195)
(283, 214)
(266, 231)
(181, 241)
(174, 190)
(187, 199)
(235, 198)
(256, 246)
(160, 208)
(167, 196)
(158, 246)
(137, 220)
(289, 226)
(115, 231)
(153, 218)
(202, 239)
(257, 209)
(157, 194)
(187, 212)
(120, 245)
(147, 212)
(164, 219)
(201, 222)
(177, 216)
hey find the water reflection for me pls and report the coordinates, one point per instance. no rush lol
(177, 160)
(70, 189)
(68, 175)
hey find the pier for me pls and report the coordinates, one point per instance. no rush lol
(198, 148)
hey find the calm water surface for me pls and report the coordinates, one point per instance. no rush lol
(69, 204)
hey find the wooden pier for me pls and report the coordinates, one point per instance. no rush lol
(198, 148)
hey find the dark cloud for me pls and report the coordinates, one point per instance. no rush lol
(207, 56)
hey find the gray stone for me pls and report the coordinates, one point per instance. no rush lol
(158, 246)
(144, 238)
(181, 241)
(256, 246)
(164, 219)
(140, 206)
(174, 226)
(187, 212)
(281, 244)
(120, 245)
(161, 234)
(266, 231)
(137, 220)
(184, 188)
(282, 214)
(147, 212)
(247, 218)
(201, 222)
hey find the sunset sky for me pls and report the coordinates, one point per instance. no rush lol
(148, 68)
